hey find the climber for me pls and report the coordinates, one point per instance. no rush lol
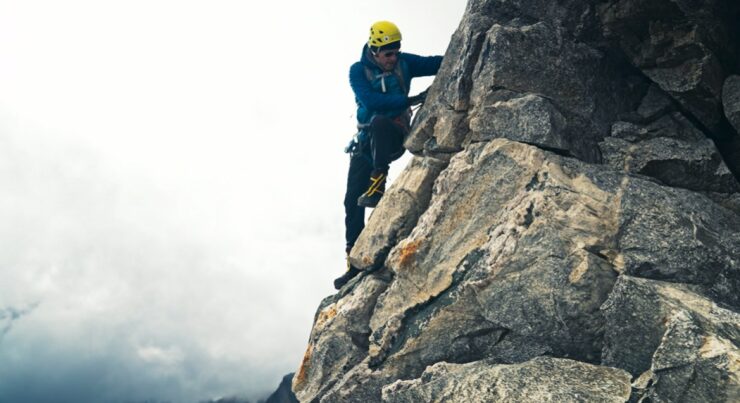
(381, 82)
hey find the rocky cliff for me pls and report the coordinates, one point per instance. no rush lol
(569, 228)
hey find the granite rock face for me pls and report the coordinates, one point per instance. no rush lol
(569, 229)
(684, 46)
(682, 345)
(339, 336)
(543, 379)
(398, 213)
(568, 108)
(659, 141)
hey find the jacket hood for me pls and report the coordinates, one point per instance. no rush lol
(367, 58)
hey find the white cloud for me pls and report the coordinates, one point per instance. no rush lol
(163, 356)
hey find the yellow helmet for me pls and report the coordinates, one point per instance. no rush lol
(383, 33)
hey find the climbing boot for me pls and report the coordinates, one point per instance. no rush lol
(374, 192)
(351, 272)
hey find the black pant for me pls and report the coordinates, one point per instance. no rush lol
(384, 146)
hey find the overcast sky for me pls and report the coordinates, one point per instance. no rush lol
(171, 184)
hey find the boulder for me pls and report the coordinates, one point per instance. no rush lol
(484, 90)
(680, 236)
(682, 345)
(527, 118)
(573, 93)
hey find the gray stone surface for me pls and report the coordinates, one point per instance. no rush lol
(683, 346)
(728, 201)
(693, 364)
(441, 124)
(655, 104)
(689, 165)
(514, 258)
(673, 125)
(684, 47)
(573, 87)
(396, 214)
(529, 118)
(338, 340)
(664, 144)
(543, 379)
(485, 88)
(731, 101)
(360, 384)
(680, 236)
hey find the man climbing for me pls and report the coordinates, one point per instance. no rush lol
(381, 82)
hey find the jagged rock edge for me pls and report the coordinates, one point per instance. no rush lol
(412, 314)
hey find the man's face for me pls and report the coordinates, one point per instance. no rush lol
(387, 59)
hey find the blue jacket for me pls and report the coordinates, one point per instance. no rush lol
(387, 94)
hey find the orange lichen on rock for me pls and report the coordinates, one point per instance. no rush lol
(327, 314)
(300, 377)
(408, 251)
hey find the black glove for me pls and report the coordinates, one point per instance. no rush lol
(419, 98)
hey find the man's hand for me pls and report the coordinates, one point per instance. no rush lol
(419, 98)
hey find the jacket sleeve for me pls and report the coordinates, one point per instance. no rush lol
(371, 99)
(420, 66)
